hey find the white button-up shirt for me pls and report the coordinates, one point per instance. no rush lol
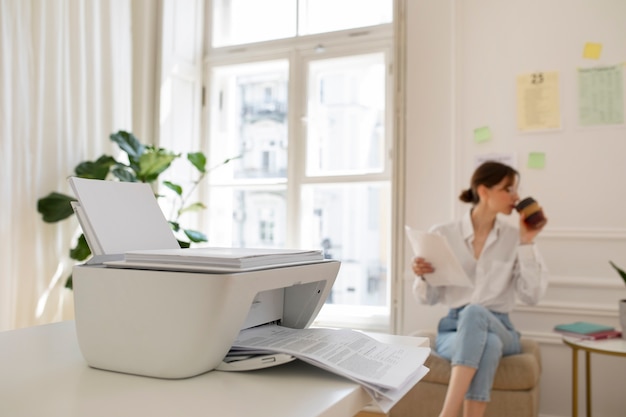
(505, 269)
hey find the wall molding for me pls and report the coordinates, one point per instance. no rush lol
(576, 309)
(586, 282)
(544, 338)
(584, 233)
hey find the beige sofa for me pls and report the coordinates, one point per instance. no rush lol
(515, 388)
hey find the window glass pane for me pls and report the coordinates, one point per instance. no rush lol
(352, 223)
(244, 21)
(249, 119)
(237, 22)
(346, 115)
(318, 16)
(252, 217)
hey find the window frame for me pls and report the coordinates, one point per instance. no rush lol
(299, 51)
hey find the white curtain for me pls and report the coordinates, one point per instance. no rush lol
(65, 85)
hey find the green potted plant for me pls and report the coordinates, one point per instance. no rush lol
(138, 162)
(622, 302)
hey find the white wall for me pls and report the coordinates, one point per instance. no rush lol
(462, 61)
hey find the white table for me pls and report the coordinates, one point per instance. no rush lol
(42, 373)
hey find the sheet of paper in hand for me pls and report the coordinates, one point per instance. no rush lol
(435, 249)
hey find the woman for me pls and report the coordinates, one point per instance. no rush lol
(503, 263)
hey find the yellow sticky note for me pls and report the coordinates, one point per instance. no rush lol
(592, 50)
(536, 160)
(482, 134)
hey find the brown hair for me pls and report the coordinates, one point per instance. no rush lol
(488, 174)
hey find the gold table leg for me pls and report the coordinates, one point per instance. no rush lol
(574, 382)
(588, 381)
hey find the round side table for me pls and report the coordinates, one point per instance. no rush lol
(615, 347)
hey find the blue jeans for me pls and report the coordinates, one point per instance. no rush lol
(477, 337)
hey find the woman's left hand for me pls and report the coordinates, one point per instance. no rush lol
(528, 234)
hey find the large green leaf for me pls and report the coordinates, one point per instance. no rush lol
(81, 251)
(55, 207)
(174, 225)
(96, 170)
(129, 144)
(69, 283)
(195, 236)
(124, 173)
(174, 187)
(153, 162)
(198, 159)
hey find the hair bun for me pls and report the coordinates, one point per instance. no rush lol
(467, 196)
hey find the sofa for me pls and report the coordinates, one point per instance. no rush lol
(515, 390)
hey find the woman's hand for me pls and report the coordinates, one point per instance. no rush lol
(421, 267)
(528, 234)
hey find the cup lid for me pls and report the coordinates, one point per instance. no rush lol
(524, 203)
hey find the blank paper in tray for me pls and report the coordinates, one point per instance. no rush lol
(225, 257)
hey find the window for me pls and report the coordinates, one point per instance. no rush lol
(307, 113)
(238, 22)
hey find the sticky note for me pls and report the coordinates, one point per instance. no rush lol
(592, 50)
(536, 160)
(482, 134)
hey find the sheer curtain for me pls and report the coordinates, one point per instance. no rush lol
(65, 85)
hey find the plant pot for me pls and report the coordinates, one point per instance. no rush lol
(622, 317)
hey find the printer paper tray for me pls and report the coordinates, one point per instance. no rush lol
(198, 268)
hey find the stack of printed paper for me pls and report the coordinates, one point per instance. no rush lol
(386, 371)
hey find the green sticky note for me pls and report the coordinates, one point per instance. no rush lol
(536, 160)
(482, 134)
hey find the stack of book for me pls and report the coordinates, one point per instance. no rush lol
(587, 331)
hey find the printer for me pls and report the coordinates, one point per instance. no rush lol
(168, 320)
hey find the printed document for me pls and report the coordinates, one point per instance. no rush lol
(386, 371)
(434, 248)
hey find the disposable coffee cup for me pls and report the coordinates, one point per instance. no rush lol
(533, 212)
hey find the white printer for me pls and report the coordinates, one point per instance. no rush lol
(171, 320)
